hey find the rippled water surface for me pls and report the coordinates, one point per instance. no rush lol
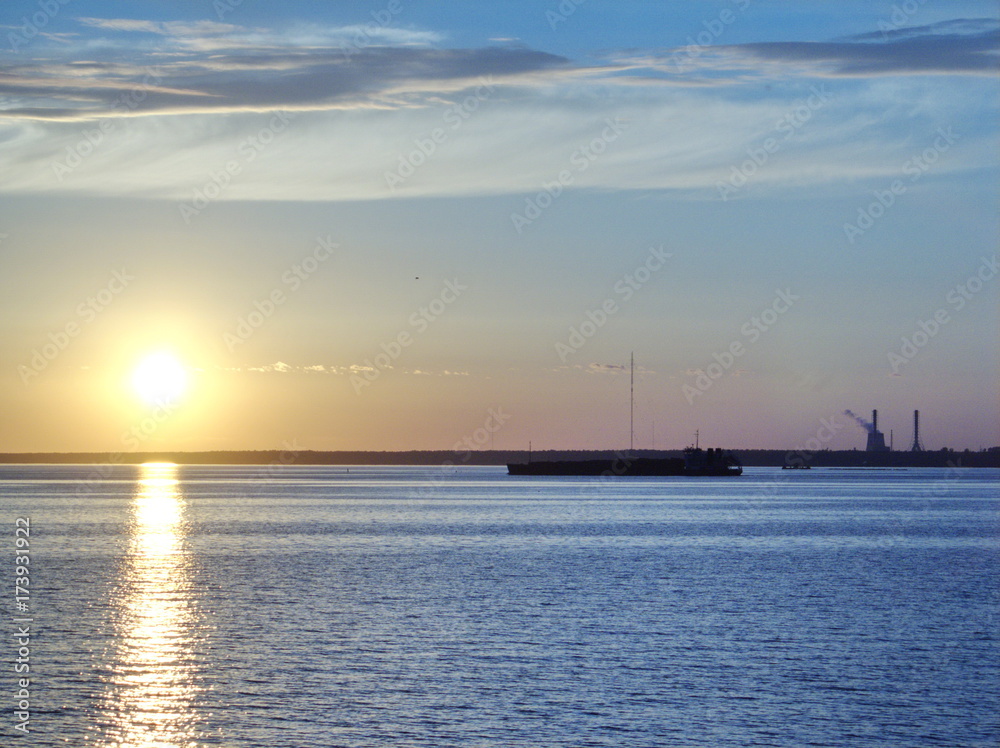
(241, 606)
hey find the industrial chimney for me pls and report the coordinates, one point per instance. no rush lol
(876, 439)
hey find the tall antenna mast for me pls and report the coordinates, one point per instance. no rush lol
(917, 444)
(631, 405)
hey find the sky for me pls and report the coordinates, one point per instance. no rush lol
(394, 225)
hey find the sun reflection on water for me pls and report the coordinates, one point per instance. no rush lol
(151, 691)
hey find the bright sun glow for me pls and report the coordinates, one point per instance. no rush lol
(159, 378)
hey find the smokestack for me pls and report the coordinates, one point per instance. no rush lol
(876, 439)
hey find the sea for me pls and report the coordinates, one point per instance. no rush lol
(299, 606)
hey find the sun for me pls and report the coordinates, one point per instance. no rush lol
(160, 379)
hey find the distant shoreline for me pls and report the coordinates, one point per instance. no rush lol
(750, 457)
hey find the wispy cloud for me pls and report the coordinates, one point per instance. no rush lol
(206, 66)
(605, 368)
(175, 29)
(213, 36)
(364, 109)
(280, 367)
(954, 26)
(215, 67)
(281, 79)
(918, 51)
(944, 54)
(956, 47)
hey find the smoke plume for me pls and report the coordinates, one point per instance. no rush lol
(866, 425)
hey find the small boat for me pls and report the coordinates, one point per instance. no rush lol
(796, 467)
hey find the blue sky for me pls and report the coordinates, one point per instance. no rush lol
(534, 154)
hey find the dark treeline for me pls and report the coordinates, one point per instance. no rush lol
(749, 457)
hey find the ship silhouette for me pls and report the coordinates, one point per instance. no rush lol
(696, 462)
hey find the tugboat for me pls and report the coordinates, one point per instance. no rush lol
(710, 462)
